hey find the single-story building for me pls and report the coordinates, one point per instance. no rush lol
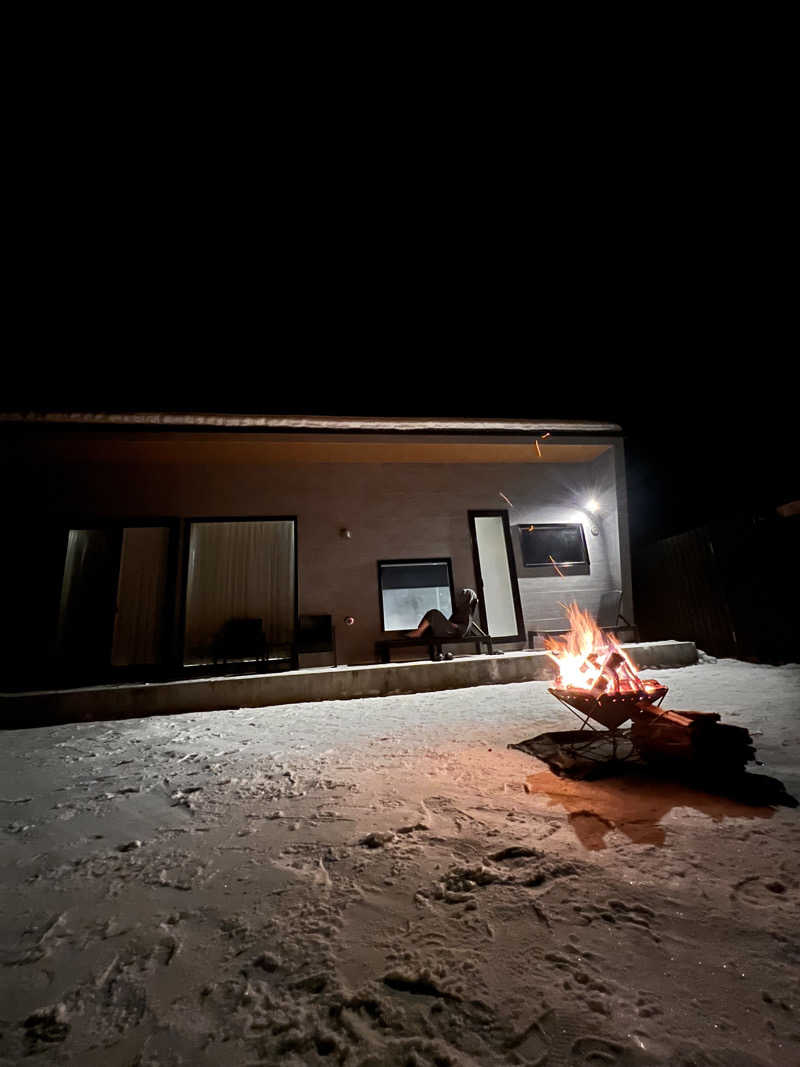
(158, 546)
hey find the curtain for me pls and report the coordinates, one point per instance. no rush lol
(139, 626)
(87, 597)
(239, 570)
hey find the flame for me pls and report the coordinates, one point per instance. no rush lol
(592, 660)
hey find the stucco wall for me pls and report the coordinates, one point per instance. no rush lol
(394, 510)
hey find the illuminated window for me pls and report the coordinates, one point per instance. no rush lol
(410, 587)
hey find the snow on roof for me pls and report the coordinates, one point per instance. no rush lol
(310, 422)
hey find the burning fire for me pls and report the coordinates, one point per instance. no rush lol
(591, 660)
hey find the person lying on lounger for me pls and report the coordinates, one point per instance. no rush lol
(457, 625)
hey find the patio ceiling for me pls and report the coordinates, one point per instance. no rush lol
(258, 448)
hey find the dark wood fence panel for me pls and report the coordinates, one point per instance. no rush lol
(678, 594)
(730, 586)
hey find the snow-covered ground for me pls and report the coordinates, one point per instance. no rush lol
(383, 882)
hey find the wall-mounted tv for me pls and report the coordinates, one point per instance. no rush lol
(540, 545)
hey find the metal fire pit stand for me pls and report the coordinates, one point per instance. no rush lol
(594, 752)
(611, 711)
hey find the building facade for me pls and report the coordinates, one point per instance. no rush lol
(156, 546)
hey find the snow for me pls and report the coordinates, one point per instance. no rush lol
(381, 881)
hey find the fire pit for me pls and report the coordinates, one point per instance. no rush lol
(611, 710)
(597, 681)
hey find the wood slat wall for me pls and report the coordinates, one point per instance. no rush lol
(680, 595)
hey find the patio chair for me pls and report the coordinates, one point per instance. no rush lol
(474, 629)
(608, 617)
(239, 640)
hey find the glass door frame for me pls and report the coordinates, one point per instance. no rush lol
(512, 573)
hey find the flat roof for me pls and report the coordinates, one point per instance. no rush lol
(193, 420)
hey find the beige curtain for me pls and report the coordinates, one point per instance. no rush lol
(139, 624)
(239, 570)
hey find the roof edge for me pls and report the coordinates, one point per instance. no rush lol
(308, 422)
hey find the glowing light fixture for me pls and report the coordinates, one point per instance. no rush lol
(592, 505)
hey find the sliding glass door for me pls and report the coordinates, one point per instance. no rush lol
(240, 590)
(120, 591)
(88, 600)
(114, 598)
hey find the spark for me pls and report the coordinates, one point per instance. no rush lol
(538, 450)
(503, 495)
(558, 572)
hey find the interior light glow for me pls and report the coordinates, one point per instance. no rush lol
(592, 505)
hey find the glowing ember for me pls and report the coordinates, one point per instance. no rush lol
(591, 660)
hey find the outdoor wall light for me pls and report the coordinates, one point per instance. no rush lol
(590, 511)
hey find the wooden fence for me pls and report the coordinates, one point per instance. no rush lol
(729, 586)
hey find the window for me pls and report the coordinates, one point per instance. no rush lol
(543, 544)
(410, 587)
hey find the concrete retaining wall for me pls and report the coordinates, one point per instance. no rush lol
(296, 687)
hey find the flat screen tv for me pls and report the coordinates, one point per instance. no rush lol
(564, 543)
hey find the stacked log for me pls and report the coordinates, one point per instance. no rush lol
(696, 739)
